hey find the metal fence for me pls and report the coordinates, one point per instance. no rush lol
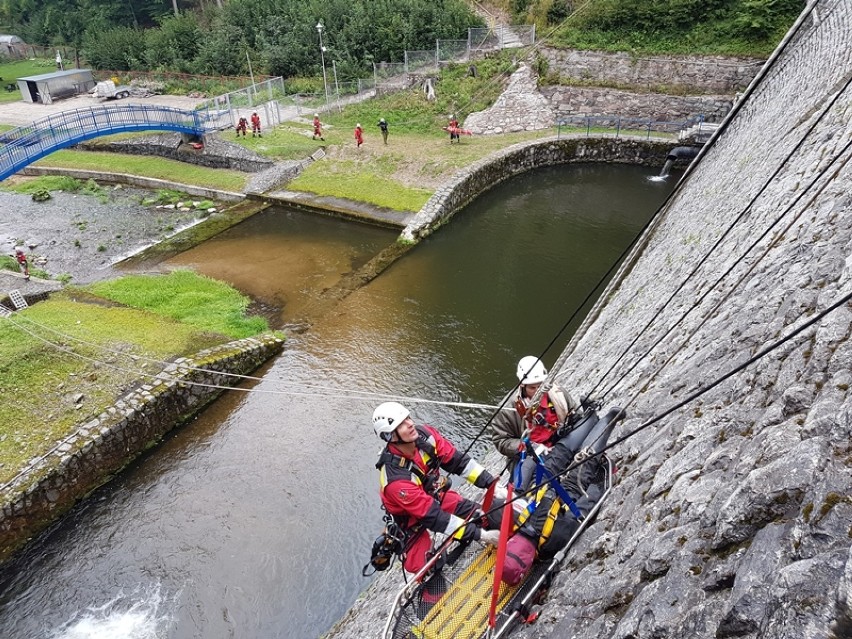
(421, 61)
(601, 124)
(265, 96)
(452, 50)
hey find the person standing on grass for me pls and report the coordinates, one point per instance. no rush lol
(383, 127)
(22, 263)
(255, 125)
(242, 123)
(453, 128)
(317, 128)
(359, 136)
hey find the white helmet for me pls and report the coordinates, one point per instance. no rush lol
(387, 417)
(531, 370)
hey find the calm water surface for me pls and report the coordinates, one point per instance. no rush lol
(254, 521)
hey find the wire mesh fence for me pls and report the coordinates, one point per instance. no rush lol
(452, 50)
(421, 61)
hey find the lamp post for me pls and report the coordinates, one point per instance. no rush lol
(322, 59)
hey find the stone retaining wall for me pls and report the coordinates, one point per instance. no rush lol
(567, 101)
(217, 153)
(52, 484)
(483, 175)
(695, 74)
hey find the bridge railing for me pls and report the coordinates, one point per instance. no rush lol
(26, 144)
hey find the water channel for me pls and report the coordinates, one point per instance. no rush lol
(254, 521)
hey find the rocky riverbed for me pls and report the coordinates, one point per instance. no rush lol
(82, 237)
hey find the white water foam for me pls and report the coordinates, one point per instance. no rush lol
(658, 178)
(142, 615)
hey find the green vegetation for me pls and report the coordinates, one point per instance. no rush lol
(199, 301)
(11, 71)
(728, 27)
(147, 166)
(279, 144)
(359, 182)
(280, 36)
(49, 183)
(46, 391)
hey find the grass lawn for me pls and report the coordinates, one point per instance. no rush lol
(402, 175)
(193, 299)
(11, 71)
(46, 391)
(147, 166)
(39, 384)
(279, 143)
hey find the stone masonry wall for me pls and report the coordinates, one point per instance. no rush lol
(731, 517)
(568, 101)
(695, 74)
(482, 175)
(51, 484)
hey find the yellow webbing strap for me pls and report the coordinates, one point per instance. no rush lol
(462, 613)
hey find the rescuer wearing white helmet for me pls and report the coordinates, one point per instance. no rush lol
(414, 492)
(541, 420)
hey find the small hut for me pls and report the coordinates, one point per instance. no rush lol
(47, 87)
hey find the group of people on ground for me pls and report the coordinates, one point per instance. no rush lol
(242, 125)
(419, 499)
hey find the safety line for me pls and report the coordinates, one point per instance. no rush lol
(630, 261)
(845, 299)
(772, 244)
(742, 214)
(166, 377)
(331, 391)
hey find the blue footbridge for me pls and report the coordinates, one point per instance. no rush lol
(26, 144)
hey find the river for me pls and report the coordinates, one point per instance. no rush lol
(254, 521)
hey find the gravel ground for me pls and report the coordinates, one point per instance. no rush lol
(81, 235)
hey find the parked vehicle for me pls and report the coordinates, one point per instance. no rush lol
(107, 90)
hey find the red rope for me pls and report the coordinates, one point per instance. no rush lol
(505, 529)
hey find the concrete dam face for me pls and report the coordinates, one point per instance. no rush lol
(727, 337)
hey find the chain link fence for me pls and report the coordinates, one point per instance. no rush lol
(452, 50)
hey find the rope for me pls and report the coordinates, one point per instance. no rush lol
(630, 261)
(844, 299)
(716, 245)
(333, 392)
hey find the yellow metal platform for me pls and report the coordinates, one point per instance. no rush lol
(462, 613)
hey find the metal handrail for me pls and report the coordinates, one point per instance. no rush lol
(620, 124)
(26, 144)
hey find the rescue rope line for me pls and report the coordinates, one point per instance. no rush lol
(843, 300)
(333, 392)
(747, 209)
(629, 262)
(772, 244)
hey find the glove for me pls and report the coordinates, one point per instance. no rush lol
(500, 492)
(491, 537)
(540, 449)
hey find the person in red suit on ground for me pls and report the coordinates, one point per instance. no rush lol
(255, 125)
(359, 135)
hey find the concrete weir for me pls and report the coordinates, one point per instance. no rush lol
(731, 516)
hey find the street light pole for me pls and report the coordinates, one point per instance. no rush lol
(322, 59)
